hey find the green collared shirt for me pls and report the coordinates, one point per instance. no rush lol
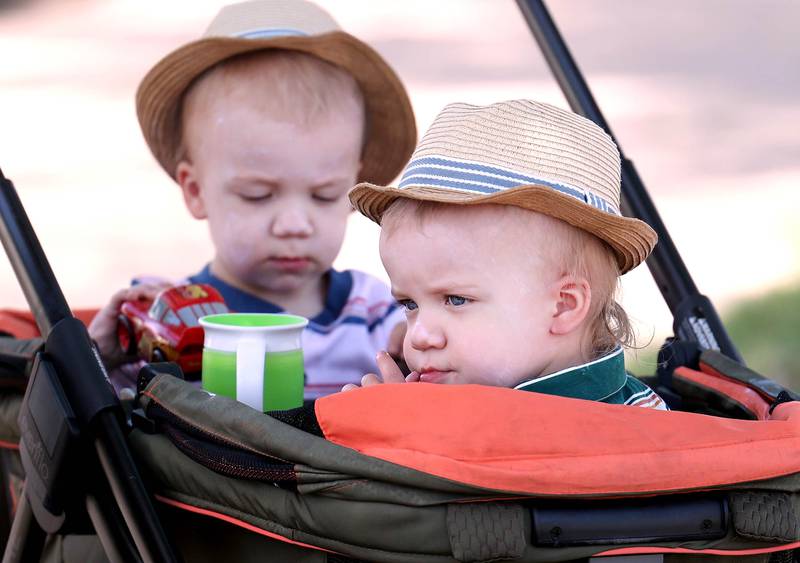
(603, 379)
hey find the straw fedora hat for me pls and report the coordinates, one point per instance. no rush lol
(295, 25)
(523, 153)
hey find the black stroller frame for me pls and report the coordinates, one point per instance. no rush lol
(695, 319)
(70, 411)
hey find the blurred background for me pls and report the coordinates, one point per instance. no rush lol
(701, 95)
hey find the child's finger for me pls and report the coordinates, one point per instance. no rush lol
(389, 370)
(144, 291)
(412, 377)
(395, 344)
(350, 387)
(370, 379)
(117, 299)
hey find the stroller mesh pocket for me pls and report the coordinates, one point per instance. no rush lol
(221, 456)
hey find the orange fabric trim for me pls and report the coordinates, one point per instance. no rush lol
(21, 324)
(736, 390)
(237, 522)
(705, 368)
(8, 445)
(524, 442)
(643, 550)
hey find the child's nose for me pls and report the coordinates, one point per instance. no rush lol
(424, 334)
(292, 222)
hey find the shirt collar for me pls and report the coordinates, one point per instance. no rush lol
(594, 381)
(339, 286)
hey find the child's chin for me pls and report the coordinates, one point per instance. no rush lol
(273, 282)
(291, 267)
(288, 279)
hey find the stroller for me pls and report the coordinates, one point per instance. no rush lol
(189, 476)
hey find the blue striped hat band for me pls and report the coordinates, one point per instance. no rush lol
(464, 175)
(268, 19)
(271, 32)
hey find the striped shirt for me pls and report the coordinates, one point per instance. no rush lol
(340, 343)
(603, 379)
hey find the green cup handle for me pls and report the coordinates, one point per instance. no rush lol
(250, 373)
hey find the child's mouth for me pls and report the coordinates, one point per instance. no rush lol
(290, 263)
(434, 376)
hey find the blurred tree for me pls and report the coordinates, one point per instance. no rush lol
(766, 330)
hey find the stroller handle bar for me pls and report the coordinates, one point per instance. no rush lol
(695, 319)
(82, 383)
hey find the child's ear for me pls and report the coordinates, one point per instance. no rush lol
(573, 299)
(186, 176)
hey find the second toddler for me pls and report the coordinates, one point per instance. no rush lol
(504, 242)
(265, 123)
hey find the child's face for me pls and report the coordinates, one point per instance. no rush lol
(480, 297)
(273, 192)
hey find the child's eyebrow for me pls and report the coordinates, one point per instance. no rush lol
(452, 288)
(332, 182)
(441, 289)
(397, 294)
(257, 180)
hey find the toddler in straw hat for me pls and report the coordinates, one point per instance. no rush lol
(265, 123)
(504, 243)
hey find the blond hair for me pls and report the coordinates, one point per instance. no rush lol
(293, 86)
(581, 254)
(573, 251)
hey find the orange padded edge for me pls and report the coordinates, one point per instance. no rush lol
(739, 392)
(236, 522)
(523, 442)
(21, 324)
(643, 550)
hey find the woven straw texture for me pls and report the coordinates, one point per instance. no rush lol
(281, 24)
(522, 153)
(244, 17)
(552, 144)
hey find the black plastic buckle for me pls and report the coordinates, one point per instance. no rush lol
(148, 372)
(783, 397)
(49, 436)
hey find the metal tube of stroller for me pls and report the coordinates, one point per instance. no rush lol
(695, 316)
(26, 540)
(130, 494)
(83, 378)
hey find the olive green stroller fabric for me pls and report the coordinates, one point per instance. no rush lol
(345, 506)
(367, 508)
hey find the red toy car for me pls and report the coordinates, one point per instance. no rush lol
(168, 329)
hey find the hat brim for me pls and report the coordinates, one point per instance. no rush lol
(391, 128)
(630, 239)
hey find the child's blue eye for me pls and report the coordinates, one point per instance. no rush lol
(456, 300)
(408, 304)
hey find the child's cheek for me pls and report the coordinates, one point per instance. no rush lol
(493, 356)
(239, 238)
(409, 355)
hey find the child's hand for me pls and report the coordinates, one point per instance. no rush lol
(395, 345)
(390, 373)
(103, 328)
